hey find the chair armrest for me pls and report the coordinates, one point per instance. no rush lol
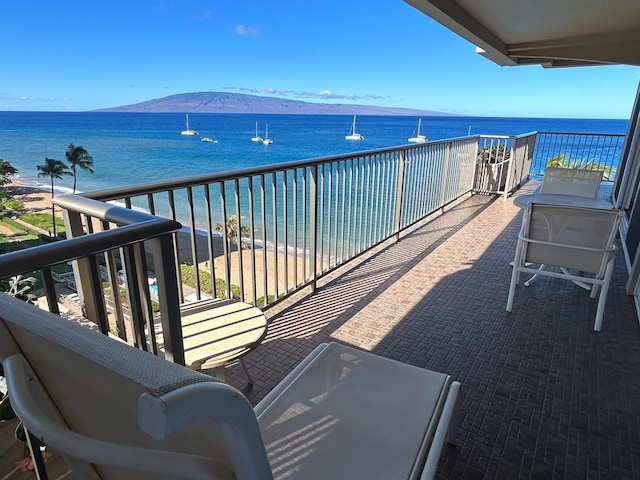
(34, 409)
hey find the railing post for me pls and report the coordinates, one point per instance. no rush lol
(476, 170)
(50, 290)
(313, 230)
(82, 270)
(402, 158)
(225, 242)
(134, 302)
(96, 297)
(445, 175)
(510, 168)
(166, 277)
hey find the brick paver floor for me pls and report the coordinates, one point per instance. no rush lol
(543, 395)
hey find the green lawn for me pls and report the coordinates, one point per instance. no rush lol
(42, 221)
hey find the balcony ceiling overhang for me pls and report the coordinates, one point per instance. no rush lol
(551, 33)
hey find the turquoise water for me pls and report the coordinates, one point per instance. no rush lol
(135, 148)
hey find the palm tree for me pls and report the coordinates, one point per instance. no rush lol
(53, 169)
(232, 231)
(78, 157)
(6, 170)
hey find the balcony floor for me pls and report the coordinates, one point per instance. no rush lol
(543, 395)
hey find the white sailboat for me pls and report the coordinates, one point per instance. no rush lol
(267, 140)
(354, 135)
(188, 131)
(418, 138)
(257, 138)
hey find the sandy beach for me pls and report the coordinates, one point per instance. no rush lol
(37, 200)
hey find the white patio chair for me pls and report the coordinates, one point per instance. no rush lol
(580, 241)
(116, 412)
(572, 181)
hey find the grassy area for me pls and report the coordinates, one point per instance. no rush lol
(15, 227)
(42, 221)
(22, 237)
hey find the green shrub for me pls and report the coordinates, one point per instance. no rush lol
(13, 204)
(493, 154)
(20, 287)
(189, 279)
(260, 301)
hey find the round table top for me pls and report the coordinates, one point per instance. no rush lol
(563, 200)
(215, 332)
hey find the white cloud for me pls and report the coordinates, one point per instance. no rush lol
(26, 98)
(204, 15)
(243, 30)
(323, 94)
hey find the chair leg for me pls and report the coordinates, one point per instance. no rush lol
(246, 371)
(454, 423)
(535, 276)
(515, 275)
(219, 373)
(603, 294)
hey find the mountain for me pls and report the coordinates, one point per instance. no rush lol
(222, 102)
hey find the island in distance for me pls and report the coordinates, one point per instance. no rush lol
(222, 102)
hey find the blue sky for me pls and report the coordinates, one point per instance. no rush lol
(68, 55)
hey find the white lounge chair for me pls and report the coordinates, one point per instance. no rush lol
(572, 181)
(580, 241)
(116, 412)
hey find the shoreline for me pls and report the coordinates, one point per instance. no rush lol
(38, 200)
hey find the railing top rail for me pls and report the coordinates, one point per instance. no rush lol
(35, 258)
(585, 134)
(528, 134)
(495, 136)
(178, 183)
(103, 211)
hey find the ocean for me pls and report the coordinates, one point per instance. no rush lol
(135, 148)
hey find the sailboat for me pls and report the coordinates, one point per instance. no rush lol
(267, 140)
(188, 131)
(256, 138)
(353, 135)
(418, 138)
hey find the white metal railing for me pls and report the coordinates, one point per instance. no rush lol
(503, 162)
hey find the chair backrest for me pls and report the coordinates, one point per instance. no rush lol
(572, 181)
(112, 409)
(570, 237)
